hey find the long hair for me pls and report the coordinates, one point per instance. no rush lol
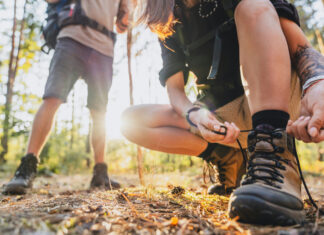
(159, 17)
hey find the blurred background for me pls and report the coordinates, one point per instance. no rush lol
(23, 73)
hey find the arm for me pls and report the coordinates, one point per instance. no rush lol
(203, 118)
(308, 64)
(122, 16)
(177, 96)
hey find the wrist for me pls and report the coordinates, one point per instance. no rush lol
(311, 85)
(189, 120)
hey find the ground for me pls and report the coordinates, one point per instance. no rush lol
(64, 205)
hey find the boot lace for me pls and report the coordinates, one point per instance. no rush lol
(265, 162)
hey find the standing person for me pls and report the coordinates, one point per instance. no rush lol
(80, 52)
(265, 43)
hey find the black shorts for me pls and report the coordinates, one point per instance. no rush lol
(72, 60)
(286, 10)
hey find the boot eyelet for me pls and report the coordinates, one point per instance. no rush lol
(277, 135)
(251, 135)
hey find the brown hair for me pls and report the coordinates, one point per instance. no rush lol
(158, 15)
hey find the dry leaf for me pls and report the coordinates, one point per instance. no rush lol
(174, 221)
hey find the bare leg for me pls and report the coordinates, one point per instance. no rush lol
(264, 55)
(98, 135)
(160, 128)
(42, 125)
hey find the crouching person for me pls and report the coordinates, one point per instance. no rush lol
(200, 36)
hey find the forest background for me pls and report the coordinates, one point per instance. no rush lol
(23, 73)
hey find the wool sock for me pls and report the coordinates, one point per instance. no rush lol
(274, 118)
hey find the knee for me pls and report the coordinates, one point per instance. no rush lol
(98, 118)
(52, 103)
(128, 120)
(248, 12)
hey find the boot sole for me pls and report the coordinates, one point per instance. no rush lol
(14, 190)
(253, 210)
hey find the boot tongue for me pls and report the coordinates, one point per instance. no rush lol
(265, 128)
(262, 144)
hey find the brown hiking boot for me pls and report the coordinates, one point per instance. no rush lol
(100, 178)
(228, 164)
(270, 193)
(24, 176)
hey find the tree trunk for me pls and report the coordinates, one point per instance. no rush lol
(88, 146)
(131, 97)
(72, 120)
(12, 72)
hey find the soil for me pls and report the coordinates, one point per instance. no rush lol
(168, 204)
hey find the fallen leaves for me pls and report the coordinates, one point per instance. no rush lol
(147, 210)
(174, 221)
(177, 191)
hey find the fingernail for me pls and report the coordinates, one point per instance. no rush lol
(300, 118)
(307, 118)
(313, 132)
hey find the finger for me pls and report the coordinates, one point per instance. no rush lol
(319, 138)
(289, 127)
(230, 135)
(294, 127)
(208, 135)
(302, 130)
(316, 122)
(211, 124)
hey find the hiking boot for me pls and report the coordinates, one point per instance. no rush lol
(229, 167)
(100, 178)
(24, 176)
(270, 193)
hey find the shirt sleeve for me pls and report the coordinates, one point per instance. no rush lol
(173, 60)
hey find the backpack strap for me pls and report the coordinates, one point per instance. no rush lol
(217, 51)
(201, 41)
(80, 18)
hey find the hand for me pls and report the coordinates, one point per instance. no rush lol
(312, 106)
(207, 123)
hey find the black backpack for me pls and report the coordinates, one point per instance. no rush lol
(64, 13)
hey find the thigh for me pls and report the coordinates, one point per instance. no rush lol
(65, 68)
(153, 116)
(98, 76)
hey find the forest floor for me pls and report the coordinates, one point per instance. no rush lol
(64, 205)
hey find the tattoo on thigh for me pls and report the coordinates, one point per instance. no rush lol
(308, 63)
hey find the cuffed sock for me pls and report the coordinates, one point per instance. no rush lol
(274, 118)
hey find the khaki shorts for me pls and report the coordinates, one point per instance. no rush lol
(238, 111)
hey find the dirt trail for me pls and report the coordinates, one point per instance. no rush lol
(63, 205)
